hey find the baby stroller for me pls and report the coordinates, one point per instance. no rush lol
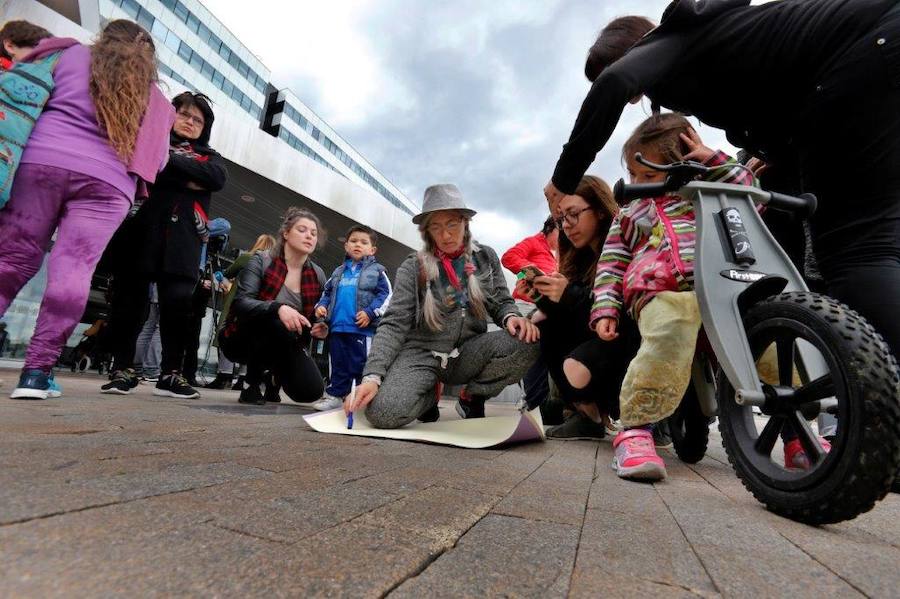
(91, 352)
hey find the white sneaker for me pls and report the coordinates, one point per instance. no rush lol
(328, 402)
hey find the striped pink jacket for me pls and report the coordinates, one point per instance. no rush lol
(650, 248)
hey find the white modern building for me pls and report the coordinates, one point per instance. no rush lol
(279, 152)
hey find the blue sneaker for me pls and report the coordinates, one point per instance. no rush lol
(54, 390)
(33, 384)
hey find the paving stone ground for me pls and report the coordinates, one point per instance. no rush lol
(110, 496)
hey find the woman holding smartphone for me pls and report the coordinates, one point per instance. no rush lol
(588, 371)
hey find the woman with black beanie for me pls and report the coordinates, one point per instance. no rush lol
(161, 243)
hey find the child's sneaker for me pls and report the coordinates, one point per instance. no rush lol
(33, 384)
(54, 390)
(795, 457)
(327, 402)
(636, 456)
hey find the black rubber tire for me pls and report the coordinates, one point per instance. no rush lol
(865, 454)
(689, 428)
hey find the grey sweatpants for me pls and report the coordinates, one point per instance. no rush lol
(487, 364)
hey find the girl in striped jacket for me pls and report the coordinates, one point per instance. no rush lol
(647, 268)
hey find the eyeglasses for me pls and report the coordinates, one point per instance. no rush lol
(187, 116)
(451, 226)
(570, 218)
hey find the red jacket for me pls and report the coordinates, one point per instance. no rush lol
(531, 250)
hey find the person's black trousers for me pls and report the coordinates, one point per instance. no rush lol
(130, 301)
(264, 344)
(607, 361)
(850, 158)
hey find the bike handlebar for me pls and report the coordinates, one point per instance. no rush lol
(804, 205)
(625, 192)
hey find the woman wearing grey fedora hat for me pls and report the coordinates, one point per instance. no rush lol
(436, 327)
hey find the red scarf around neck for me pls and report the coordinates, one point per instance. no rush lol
(447, 261)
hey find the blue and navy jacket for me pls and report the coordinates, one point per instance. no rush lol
(373, 292)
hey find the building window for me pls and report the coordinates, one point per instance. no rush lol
(181, 11)
(193, 23)
(145, 19)
(159, 30)
(172, 42)
(132, 8)
(184, 51)
(203, 33)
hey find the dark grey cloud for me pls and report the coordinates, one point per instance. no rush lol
(492, 90)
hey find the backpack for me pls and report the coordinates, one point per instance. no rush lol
(24, 90)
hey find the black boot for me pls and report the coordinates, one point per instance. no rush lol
(430, 415)
(272, 389)
(238, 384)
(470, 406)
(251, 394)
(222, 381)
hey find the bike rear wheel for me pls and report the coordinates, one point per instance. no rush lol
(861, 389)
(689, 427)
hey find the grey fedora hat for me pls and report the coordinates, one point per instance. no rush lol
(445, 196)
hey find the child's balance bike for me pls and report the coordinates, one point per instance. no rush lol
(830, 361)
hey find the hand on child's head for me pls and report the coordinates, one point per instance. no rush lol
(695, 149)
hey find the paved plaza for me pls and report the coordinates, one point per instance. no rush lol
(106, 496)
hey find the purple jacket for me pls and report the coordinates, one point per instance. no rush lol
(151, 150)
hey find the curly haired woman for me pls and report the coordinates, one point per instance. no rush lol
(102, 134)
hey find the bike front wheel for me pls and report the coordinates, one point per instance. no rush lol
(861, 390)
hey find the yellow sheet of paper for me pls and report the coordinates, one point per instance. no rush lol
(479, 433)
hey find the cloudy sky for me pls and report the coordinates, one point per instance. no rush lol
(478, 93)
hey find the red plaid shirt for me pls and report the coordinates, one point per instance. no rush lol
(273, 281)
(310, 288)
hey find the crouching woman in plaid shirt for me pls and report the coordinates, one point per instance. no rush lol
(269, 326)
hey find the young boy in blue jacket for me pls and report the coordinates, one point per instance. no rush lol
(354, 299)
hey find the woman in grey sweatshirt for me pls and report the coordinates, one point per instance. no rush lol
(436, 327)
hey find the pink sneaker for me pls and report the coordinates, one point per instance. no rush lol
(636, 456)
(795, 457)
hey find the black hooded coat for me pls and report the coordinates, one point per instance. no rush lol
(164, 236)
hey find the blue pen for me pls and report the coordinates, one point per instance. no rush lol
(352, 401)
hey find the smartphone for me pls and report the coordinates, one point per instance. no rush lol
(528, 273)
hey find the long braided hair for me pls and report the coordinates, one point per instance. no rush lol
(123, 66)
(431, 269)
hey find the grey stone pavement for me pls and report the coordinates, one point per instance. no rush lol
(107, 496)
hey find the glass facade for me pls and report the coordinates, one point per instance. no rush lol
(21, 317)
(178, 46)
(295, 115)
(165, 36)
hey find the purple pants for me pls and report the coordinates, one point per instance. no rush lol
(85, 212)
